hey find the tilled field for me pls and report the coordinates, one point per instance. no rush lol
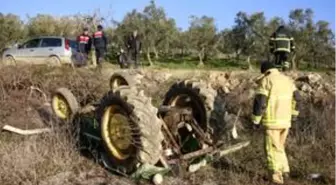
(51, 158)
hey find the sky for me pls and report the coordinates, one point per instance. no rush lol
(223, 11)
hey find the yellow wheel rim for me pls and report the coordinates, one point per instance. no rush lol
(117, 82)
(61, 107)
(181, 100)
(116, 132)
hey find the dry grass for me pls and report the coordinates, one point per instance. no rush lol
(53, 159)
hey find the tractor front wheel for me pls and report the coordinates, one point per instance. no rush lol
(130, 129)
(64, 104)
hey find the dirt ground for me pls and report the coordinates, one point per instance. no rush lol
(50, 158)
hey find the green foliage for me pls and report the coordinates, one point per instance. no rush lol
(162, 40)
(12, 30)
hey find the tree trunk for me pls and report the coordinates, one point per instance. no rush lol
(149, 58)
(248, 61)
(200, 56)
(156, 53)
(294, 63)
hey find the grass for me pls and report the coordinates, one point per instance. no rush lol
(53, 159)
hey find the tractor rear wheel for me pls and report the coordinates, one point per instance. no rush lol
(125, 78)
(207, 107)
(130, 129)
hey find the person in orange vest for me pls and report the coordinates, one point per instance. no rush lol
(84, 45)
(100, 44)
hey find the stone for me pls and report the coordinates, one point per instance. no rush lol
(313, 78)
(225, 89)
(305, 88)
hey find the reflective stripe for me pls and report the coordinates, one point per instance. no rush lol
(277, 121)
(256, 119)
(262, 91)
(295, 112)
(98, 34)
(284, 39)
(83, 39)
(283, 49)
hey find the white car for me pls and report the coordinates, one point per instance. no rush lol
(42, 50)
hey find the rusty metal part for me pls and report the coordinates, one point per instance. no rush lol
(200, 132)
(219, 151)
(164, 108)
(172, 139)
(193, 155)
(163, 161)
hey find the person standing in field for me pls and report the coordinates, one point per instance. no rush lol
(281, 45)
(84, 45)
(134, 48)
(275, 107)
(100, 44)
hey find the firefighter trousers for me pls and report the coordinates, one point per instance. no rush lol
(281, 59)
(277, 162)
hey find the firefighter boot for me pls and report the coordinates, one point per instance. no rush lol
(277, 178)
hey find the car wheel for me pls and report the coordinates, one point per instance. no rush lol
(9, 60)
(53, 61)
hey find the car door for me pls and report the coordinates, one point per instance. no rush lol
(49, 47)
(27, 50)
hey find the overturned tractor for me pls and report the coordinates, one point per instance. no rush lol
(125, 131)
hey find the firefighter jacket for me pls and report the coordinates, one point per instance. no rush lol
(99, 40)
(84, 43)
(281, 41)
(275, 101)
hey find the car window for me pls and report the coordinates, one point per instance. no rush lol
(51, 42)
(32, 43)
(73, 44)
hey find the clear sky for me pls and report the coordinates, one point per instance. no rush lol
(223, 11)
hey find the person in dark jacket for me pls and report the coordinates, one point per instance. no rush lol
(84, 45)
(281, 45)
(123, 59)
(134, 48)
(100, 44)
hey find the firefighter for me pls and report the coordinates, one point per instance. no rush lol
(275, 108)
(134, 47)
(100, 44)
(84, 45)
(281, 45)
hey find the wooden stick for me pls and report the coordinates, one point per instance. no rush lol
(233, 148)
(39, 90)
(25, 132)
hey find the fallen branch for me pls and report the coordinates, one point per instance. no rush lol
(25, 132)
(234, 129)
(40, 91)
